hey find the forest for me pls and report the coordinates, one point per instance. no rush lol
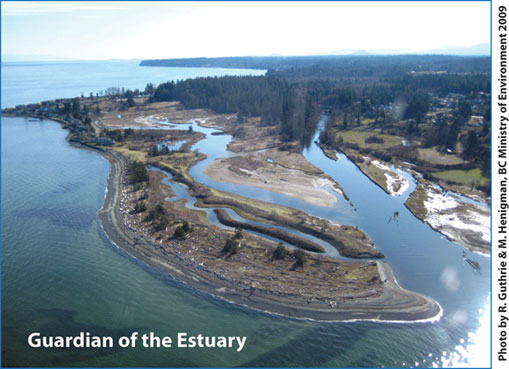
(342, 65)
(276, 102)
(296, 90)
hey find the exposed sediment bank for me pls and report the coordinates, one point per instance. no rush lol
(348, 240)
(285, 173)
(376, 171)
(297, 241)
(461, 222)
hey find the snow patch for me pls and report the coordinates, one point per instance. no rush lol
(396, 184)
(395, 180)
(441, 215)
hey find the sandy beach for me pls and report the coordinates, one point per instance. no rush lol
(270, 171)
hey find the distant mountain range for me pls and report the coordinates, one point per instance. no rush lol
(475, 50)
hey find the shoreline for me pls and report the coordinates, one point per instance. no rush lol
(394, 305)
(359, 167)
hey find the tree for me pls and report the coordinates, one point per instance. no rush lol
(179, 232)
(156, 213)
(130, 102)
(300, 259)
(67, 107)
(280, 252)
(471, 146)
(417, 107)
(238, 234)
(140, 207)
(465, 110)
(153, 151)
(231, 246)
(159, 208)
(164, 150)
(149, 89)
(412, 128)
(164, 221)
(138, 172)
(76, 107)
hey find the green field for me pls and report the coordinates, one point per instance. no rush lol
(463, 177)
(359, 138)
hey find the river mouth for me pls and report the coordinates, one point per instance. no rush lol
(371, 211)
(374, 296)
(455, 281)
(422, 260)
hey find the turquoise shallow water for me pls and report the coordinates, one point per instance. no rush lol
(60, 275)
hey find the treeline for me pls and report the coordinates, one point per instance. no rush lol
(443, 84)
(294, 91)
(339, 66)
(339, 79)
(293, 108)
(403, 98)
(248, 96)
(359, 69)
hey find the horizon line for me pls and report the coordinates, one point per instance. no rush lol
(354, 54)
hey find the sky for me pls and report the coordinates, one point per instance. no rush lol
(155, 30)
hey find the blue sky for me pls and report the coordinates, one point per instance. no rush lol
(141, 30)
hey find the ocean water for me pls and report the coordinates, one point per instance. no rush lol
(32, 82)
(61, 275)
